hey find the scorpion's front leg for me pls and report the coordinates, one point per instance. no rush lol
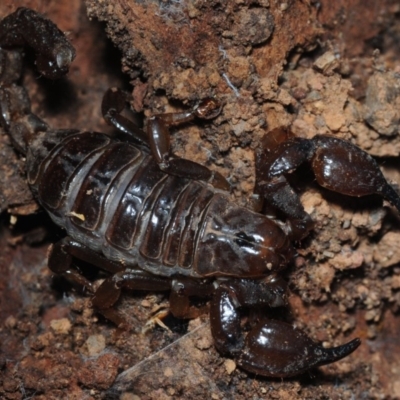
(157, 136)
(338, 166)
(272, 348)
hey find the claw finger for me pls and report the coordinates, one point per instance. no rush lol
(276, 349)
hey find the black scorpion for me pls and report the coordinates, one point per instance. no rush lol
(153, 221)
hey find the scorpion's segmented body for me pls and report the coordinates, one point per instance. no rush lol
(152, 221)
(112, 197)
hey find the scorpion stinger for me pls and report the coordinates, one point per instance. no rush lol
(54, 53)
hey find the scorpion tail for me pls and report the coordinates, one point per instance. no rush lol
(16, 117)
(27, 28)
(54, 54)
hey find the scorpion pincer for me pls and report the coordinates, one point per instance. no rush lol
(153, 221)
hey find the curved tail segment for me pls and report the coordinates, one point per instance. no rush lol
(27, 28)
(22, 29)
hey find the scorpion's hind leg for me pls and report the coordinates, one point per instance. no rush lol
(105, 297)
(157, 136)
(61, 257)
(272, 348)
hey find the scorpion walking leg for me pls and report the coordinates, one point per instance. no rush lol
(338, 165)
(136, 279)
(157, 137)
(182, 290)
(109, 291)
(114, 102)
(107, 294)
(272, 348)
(60, 261)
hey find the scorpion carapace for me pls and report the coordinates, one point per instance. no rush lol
(153, 221)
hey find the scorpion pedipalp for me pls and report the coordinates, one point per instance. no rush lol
(338, 165)
(277, 349)
(272, 347)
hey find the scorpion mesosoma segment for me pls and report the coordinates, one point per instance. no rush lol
(153, 221)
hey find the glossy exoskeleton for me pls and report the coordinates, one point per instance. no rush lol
(157, 222)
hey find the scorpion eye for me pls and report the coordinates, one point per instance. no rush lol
(244, 240)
